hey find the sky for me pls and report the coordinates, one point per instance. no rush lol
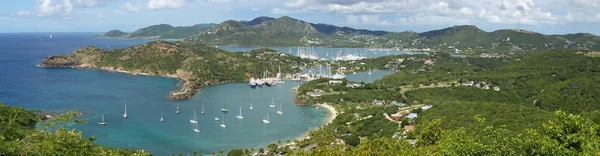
(544, 16)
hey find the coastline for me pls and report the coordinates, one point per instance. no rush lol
(332, 114)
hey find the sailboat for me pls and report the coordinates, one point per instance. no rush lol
(266, 119)
(370, 71)
(195, 119)
(272, 104)
(161, 116)
(177, 109)
(224, 109)
(125, 114)
(251, 105)
(223, 123)
(196, 129)
(279, 110)
(240, 116)
(102, 123)
(202, 107)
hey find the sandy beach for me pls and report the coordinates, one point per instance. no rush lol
(332, 115)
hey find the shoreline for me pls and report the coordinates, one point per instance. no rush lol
(332, 114)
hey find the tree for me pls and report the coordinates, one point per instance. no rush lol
(236, 152)
(429, 133)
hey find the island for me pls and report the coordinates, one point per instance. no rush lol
(195, 65)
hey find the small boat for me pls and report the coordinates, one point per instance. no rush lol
(266, 119)
(240, 116)
(217, 119)
(279, 110)
(195, 119)
(203, 108)
(161, 116)
(177, 109)
(223, 123)
(272, 104)
(125, 114)
(224, 109)
(196, 129)
(370, 71)
(102, 123)
(251, 108)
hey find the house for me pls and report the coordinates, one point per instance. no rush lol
(397, 103)
(408, 128)
(486, 87)
(332, 82)
(377, 103)
(411, 115)
(426, 107)
(497, 88)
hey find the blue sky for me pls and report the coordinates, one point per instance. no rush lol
(545, 16)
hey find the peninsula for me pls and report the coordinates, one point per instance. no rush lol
(196, 65)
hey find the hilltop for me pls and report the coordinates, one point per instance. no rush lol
(160, 31)
(196, 65)
(467, 39)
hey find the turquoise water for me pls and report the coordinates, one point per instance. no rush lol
(95, 92)
(368, 78)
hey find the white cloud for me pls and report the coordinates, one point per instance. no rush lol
(45, 8)
(585, 3)
(129, 7)
(279, 11)
(90, 3)
(164, 4)
(295, 3)
(21, 13)
(366, 19)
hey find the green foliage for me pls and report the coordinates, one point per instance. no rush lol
(18, 135)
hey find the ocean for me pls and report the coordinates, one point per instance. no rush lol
(95, 93)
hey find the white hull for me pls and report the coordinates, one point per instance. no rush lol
(161, 119)
(280, 112)
(101, 123)
(266, 121)
(251, 108)
(223, 125)
(216, 119)
(196, 130)
(239, 117)
(272, 106)
(193, 121)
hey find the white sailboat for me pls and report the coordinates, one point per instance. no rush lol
(251, 108)
(196, 129)
(195, 119)
(161, 116)
(279, 110)
(223, 123)
(202, 107)
(272, 104)
(224, 109)
(125, 114)
(240, 116)
(102, 123)
(266, 119)
(217, 119)
(177, 109)
(370, 71)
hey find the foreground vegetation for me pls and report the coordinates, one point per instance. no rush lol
(19, 136)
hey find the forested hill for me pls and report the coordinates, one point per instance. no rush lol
(161, 31)
(196, 64)
(542, 103)
(468, 39)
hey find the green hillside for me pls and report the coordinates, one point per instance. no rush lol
(195, 64)
(468, 39)
(161, 31)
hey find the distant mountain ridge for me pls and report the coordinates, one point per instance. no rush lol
(467, 39)
(160, 31)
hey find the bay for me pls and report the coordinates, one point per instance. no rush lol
(95, 93)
